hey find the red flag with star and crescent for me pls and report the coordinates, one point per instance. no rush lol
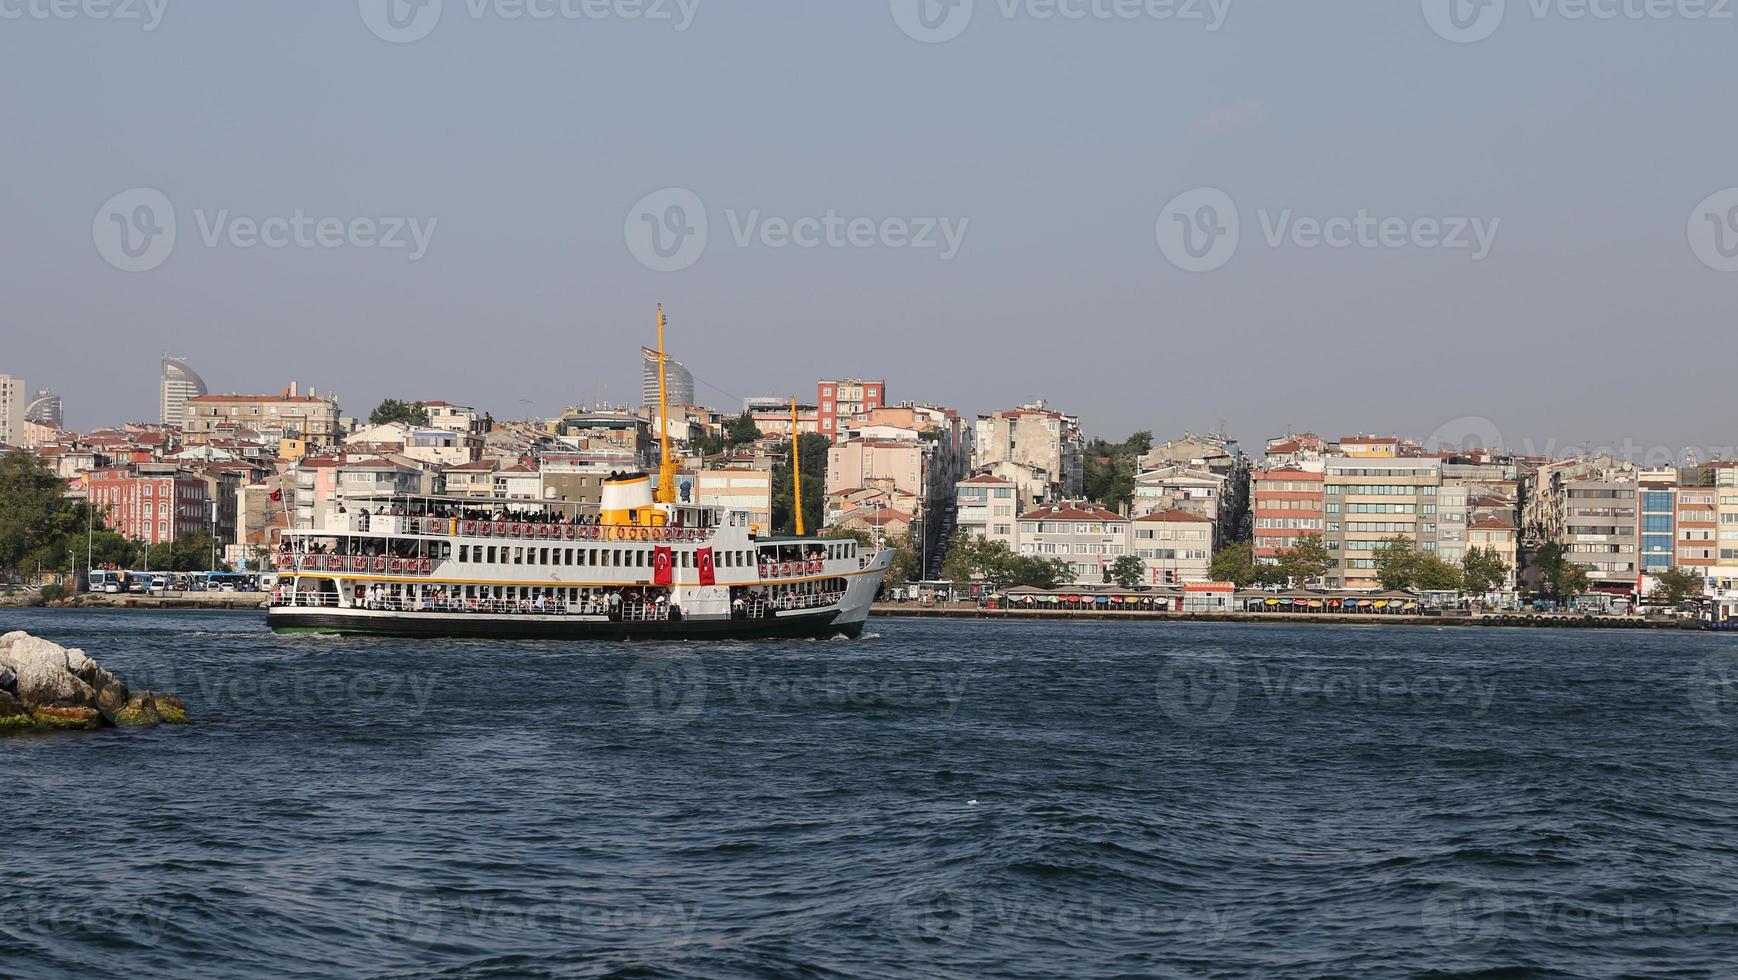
(708, 574)
(661, 574)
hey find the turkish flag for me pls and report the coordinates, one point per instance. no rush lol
(277, 495)
(708, 575)
(661, 574)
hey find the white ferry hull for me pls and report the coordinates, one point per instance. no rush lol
(844, 618)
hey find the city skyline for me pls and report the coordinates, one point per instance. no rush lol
(1464, 432)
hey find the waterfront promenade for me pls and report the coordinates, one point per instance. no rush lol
(968, 610)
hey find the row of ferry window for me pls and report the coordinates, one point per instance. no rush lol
(594, 557)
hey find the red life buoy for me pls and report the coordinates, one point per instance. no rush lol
(427, 565)
(334, 563)
(470, 527)
(397, 565)
(310, 562)
(380, 564)
(570, 532)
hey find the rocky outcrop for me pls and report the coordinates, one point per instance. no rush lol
(44, 685)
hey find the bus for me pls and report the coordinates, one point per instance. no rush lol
(225, 582)
(106, 581)
(146, 582)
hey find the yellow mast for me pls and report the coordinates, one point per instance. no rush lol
(667, 467)
(797, 466)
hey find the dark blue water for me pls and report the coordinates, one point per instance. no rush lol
(938, 800)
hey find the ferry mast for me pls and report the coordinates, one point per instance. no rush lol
(666, 465)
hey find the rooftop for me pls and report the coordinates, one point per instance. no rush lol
(1075, 510)
(1173, 517)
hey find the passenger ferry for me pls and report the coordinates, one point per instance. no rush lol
(634, 566)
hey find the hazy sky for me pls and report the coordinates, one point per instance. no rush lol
(1045, 152)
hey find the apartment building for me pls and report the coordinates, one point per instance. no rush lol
(1218, 455)
(1176, 546)
(899, 464)
(1726, 483)
(1085, 535)
(12, 405)
(988, 506)
(1600, 531)
(472, 479)
(1369, 500)
(152, 503)
(288, 415)
(1306, 451)
(775, 421)
(744, 489)
(1369, 447)
(1287, 505)
(1498, 535)
(457, 418)
(1697, 531)
(1179, 488)
(1453, 503)
(840, 400)
(1038, 437)
(607, 431)
(1657, 500)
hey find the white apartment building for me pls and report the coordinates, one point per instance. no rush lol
(1085, 535)
(1369, 500)
(1175, 545)
(988, 508)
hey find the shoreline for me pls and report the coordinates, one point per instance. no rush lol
(1513, 620)
(230, 602)
(247, 603)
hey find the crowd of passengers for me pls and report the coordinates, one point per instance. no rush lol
(497, 515)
